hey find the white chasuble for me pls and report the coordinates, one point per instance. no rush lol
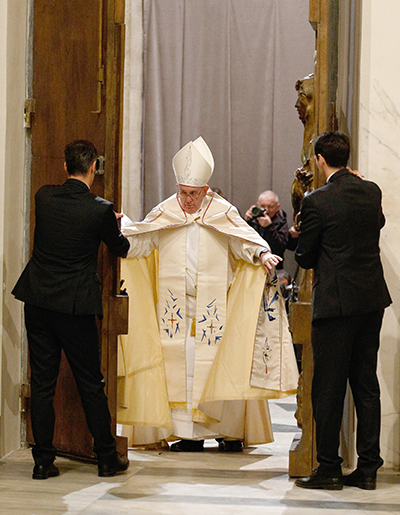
(225, 388)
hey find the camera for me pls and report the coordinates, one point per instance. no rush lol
(256, 212)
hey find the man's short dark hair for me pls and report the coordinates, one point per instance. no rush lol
(79, 156)
(334, 147)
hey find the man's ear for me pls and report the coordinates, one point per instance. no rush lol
(92, 173)
(65, 168)
(92, 170)
(320, 160)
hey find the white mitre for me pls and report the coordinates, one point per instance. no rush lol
(194, 164)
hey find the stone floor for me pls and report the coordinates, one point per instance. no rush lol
(160, 482)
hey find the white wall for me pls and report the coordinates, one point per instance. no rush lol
(379, 160)
(12, 212)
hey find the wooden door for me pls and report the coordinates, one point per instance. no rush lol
(77, 70)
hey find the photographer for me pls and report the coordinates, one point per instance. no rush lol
(270, 222)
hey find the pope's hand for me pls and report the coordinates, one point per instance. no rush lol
(270, 260)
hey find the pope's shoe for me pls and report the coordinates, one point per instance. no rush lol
(320, 482)
(45, 471)
(230, 446)
(357, 478)
(188, 446)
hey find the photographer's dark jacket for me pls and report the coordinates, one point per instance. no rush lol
(62, 273)
(276, 234)
(339, 238)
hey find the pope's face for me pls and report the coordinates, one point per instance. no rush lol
(190, 197)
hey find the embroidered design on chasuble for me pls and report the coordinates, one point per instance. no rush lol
(211, 324)
(266, 354)
(270, 302)
(273, 365)
(271, 296)
(172, 318)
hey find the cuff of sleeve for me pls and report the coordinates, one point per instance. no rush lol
(125, 221)
(263, 251)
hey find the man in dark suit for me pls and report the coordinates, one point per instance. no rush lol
(339, 238)
(61, 290)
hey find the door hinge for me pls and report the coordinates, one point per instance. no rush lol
(24, 396)
(100, 165)
(29, 109)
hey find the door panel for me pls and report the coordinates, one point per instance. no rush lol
(76, 43)
(65, 71)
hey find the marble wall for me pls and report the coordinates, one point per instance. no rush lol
(13, 34)
(3, 111)
(379, 160)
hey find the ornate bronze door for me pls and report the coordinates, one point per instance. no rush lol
(323, 16)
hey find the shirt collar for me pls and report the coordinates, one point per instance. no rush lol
(333, 173)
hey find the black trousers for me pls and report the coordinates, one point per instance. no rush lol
(346, 348)
(48, 333)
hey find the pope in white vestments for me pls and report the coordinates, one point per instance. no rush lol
(208, 339)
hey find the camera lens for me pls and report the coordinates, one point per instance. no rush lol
(256, 212)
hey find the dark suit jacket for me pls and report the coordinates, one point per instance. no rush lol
(339, 238)
(62, 273)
